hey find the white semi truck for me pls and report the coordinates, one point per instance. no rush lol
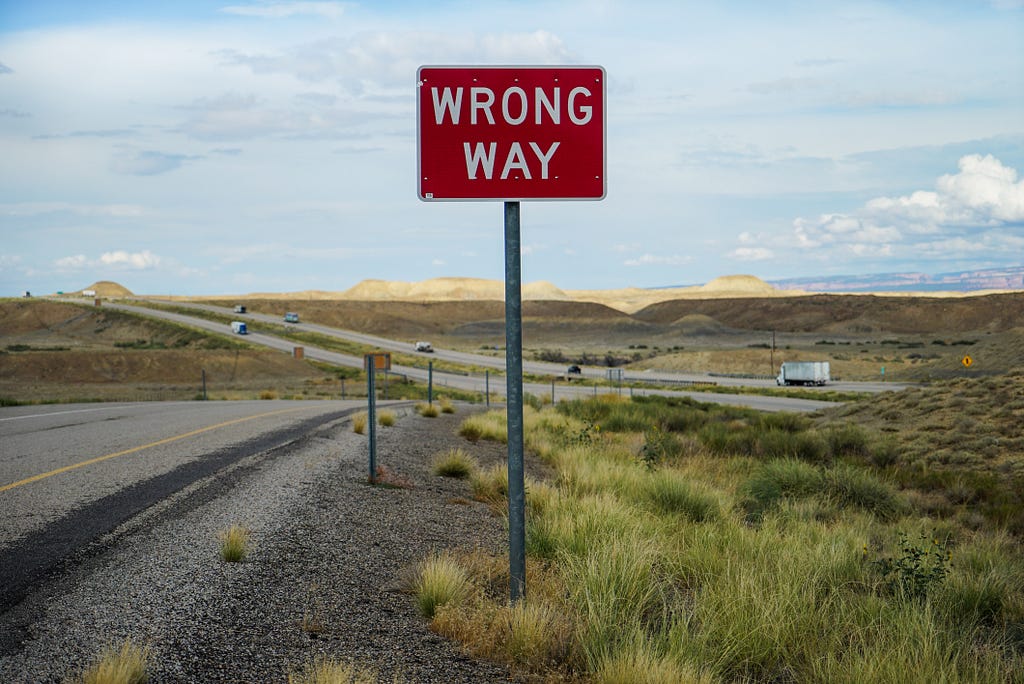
(804, 373)
(239, 328)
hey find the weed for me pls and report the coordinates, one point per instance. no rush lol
(387, 478)
(490, 485)
(446, 405)
(456, 463)
(126, 665)
(490, 426)
(659, 446)
(268, 394)
(918, 567)
(234, 543)
(359, 422)
(386, 418)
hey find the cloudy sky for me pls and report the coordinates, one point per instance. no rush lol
(195, 147)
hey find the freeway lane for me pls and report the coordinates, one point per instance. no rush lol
(476, 383)
(70, 473)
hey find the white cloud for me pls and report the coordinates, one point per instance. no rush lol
(137, 260)
(658, 260)
(42, 208)
(147, 163)
(282, 10)
(752, 254)
(119, 259)
(983, 196)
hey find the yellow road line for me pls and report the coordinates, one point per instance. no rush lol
(168, 440)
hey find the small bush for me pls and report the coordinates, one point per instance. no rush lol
(456, 463)
(268, 394)
(126, 665)
(359, 423)
(234, 542)
(446, 405)
(427, 410)
(490, 426)
(773, 481)
(440, 581)
(386, 418)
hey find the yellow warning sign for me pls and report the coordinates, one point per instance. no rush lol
(967, 361)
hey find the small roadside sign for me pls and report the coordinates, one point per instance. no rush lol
(967, 361)
(377, 361)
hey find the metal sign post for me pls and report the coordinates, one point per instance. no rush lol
(514, 407)
(371, 364)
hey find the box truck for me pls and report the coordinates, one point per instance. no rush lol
(803, 373)
(239, 308)
(238, 327)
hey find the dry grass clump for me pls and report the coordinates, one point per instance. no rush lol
(126, 665)
(268, 394)
(455, 463)
(386, 418)
(440, 581)
(359, 421)
(426, 410)
(490, 485)
(234, 543)
(326, 671)
(492, 426)
(446, 405)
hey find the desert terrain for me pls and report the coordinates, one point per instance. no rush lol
(738, 325)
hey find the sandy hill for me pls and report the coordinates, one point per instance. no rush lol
(107, 288)
(448, 289)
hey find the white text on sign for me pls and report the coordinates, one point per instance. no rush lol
(514, 110)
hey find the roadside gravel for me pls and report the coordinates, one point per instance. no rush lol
(321, 579)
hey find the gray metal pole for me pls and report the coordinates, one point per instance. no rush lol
(371, 417)
(514, 405)
(430, 383)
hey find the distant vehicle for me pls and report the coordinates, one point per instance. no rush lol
(424, 347)
(239, 328)
(239, 308)
(804, 373)
(573, 370)
(27, 294)
(291, 317)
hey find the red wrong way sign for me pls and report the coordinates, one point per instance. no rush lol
(511, 133)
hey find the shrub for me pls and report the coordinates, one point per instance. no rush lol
(441, 581)
(359, 422)
(446, 405)
(386, 418)
(490, 426)
(268, 394)
(234, 542)
(456, 463)
(126, 665)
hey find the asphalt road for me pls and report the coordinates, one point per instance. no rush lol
(477, 382)
(70, 473)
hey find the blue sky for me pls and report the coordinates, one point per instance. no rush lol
(230, 147)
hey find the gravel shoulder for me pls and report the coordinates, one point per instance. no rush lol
(322, 578)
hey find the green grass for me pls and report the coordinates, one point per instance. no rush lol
(124, 665)
(753, 549)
